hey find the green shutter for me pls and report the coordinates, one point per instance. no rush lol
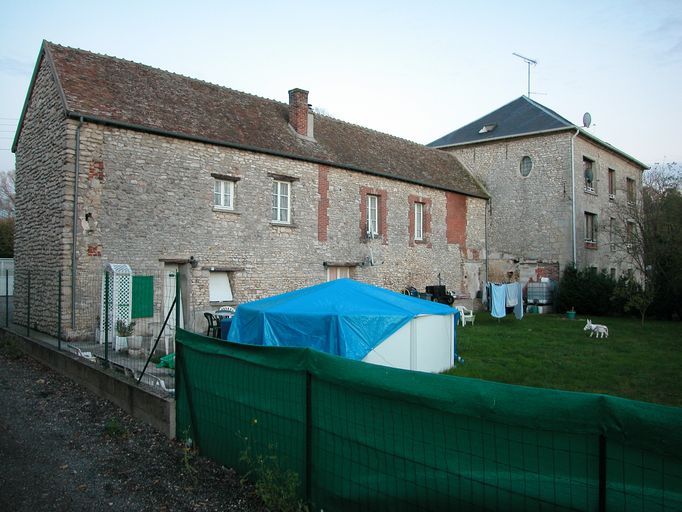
(143, 297)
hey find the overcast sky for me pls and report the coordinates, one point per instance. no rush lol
(417, 70)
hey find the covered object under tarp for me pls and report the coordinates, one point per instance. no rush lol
(353, 320)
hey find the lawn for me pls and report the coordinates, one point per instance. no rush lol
(550, 351)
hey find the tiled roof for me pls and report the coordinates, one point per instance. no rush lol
(117, 91)
(521, 117)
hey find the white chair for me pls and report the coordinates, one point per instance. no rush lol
(466, 315)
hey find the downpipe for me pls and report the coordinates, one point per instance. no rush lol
(74, 236)
(573, 237)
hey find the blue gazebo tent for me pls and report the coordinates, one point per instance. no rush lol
(354, 320)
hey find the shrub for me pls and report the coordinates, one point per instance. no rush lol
(588, 291)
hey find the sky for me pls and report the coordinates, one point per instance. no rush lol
(417, 70)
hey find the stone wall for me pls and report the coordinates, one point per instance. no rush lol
(149, 199)
(44, 199)
(530, 216)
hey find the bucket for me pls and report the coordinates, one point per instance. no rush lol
(570, 315)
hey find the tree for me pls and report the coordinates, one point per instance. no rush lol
(7, 214)
(648, 232)
(7, 194)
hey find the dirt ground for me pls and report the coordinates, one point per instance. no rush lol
(62, 448)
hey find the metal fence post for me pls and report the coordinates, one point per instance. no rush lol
(59, 310)
(602, 473)
(28, 305)
(308, 436)
(7, 297)
(177, 302)
(106, 319)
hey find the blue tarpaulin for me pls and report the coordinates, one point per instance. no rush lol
(342, 317)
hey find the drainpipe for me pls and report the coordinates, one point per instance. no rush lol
(75, 224)
(485, 236)
(575, 255)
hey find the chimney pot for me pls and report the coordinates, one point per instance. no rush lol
(298, 111)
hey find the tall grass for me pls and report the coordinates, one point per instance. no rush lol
(550, 351)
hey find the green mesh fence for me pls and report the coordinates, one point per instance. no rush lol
(365, 437)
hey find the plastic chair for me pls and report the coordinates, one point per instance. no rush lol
(466, 315)
(213, 325)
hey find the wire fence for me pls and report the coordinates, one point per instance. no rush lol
(123, 320)
(354, 436)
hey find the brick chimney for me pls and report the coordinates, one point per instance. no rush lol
(298, 111)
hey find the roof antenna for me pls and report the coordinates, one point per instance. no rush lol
(529, 62)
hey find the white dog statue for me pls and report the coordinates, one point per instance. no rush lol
(601, 330)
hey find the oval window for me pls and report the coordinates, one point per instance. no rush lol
(526, 166)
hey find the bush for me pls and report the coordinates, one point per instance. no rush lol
(588, 291)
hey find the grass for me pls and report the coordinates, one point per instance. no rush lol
(549, 351)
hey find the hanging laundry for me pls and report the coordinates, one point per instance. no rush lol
(498, 295)
(512, 294)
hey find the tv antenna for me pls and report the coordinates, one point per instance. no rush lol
(529, 62)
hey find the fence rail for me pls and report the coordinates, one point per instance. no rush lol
(359, 436)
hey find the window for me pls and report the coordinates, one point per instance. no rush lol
(612, 184)
(612, 234)
(525, 166)
(631, 190)
(372, 216)
(612, 273)
(280, 201)
(588, 172)
(629, 233)
(590, 227)
(219, 289)
(419, 221)
(337, 273)
(223, 194)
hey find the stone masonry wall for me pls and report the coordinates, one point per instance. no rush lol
(44, 195)
(601, 255)
(147, 199)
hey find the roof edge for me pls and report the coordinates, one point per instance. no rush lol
(246, 147)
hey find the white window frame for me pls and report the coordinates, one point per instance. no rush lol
(337, 273)
(281, 202)
(372, 215)
(219, 288)
(223, 194)
(419, 221)
(590, 227)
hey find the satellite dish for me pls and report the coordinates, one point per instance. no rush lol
(587, 119)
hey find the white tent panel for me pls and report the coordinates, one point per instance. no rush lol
(395, 350)
(426, 344)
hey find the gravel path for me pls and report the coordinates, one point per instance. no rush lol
(62, 448)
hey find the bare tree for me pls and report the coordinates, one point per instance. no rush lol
(7, 193)
(646, 233)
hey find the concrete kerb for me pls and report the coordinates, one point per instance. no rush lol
(153, 409)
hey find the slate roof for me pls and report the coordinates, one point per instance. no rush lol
(119, 92)
(521, 117)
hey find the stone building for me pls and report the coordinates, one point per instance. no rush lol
(555, 190)
(243, 196)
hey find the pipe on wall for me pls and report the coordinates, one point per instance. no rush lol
(75, 224)
(575, 255)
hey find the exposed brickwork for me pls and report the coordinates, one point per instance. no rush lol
(426, 221)
(457, 220)
(382, 214)
(94, 250)
(323, 203)
(298, 110)
(96, 170)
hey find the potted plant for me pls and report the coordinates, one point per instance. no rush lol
(570, 314)
(123, 331)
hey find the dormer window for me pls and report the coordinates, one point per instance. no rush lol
(487, 128)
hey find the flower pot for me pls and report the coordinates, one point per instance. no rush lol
(121, 343)
(570, 315)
